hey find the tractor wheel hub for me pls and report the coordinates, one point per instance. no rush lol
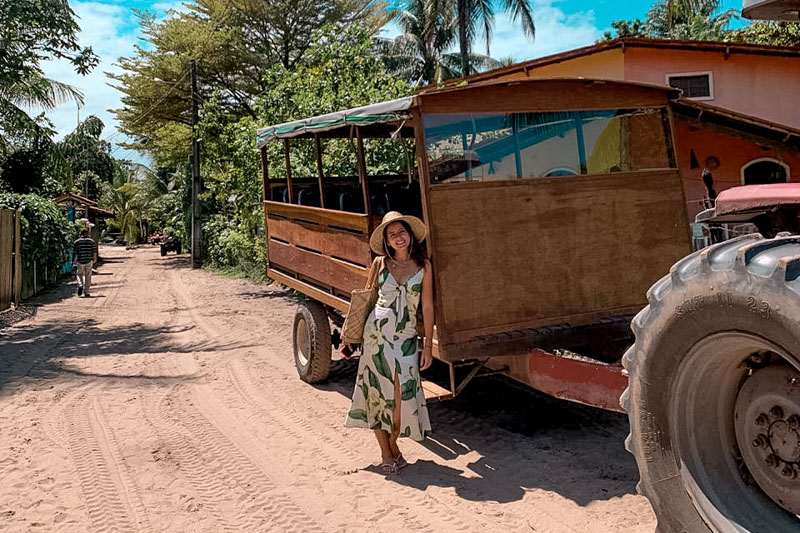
(767, 429)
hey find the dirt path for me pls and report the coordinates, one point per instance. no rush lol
(169, 402)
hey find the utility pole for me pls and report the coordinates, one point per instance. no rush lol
(197, 229)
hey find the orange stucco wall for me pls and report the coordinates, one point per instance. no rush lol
(733, 153)
(759, 85)
(608, 65)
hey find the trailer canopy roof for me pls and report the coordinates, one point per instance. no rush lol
(391, 111)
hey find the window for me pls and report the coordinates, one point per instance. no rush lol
(696, 85)
(765, 170)
(484, 146)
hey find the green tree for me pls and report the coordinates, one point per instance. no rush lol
(770, 33)
(82, 160)
(421, 53)
(33, 31)
(337, 72)
(678, 19)
(476, 18)
(235, 43)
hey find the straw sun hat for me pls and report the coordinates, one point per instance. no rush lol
(417, 227)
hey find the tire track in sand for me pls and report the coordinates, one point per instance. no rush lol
(113, 501)
(302, 431)
(286, 393)
(220, 471)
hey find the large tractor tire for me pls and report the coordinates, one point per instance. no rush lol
(311, 337)
(714, 392)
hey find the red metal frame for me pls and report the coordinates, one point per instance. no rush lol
(596, 384)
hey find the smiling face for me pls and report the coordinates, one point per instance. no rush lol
(397, 236)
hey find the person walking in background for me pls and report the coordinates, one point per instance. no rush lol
(84, 254)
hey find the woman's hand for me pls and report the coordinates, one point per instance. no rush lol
(426, 359)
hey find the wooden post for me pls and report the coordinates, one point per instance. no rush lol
(320, 173)
(197, 185)
(464, 147)
(17, 259)
(288, 171)
(265, 172)
(515, 133)
(581, 144)
(6, 261)
(362, 173)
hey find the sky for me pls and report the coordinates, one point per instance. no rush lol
(111, 28)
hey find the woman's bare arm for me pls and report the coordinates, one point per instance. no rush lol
(427, 316)
(372, 273)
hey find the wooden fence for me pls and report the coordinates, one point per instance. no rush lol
(10, 259)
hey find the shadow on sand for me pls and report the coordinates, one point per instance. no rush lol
(516, 439)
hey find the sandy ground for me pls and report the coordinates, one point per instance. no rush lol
(169, 402)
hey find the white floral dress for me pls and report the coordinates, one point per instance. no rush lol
(391, 349)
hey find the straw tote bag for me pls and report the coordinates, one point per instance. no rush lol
(362, 301)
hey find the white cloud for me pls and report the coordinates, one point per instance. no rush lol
(556, 32)
(112, 31)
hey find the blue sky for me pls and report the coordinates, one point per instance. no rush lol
(110, 27)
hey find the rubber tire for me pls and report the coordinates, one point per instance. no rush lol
(683, 308)
(163, 251)
(318, 329)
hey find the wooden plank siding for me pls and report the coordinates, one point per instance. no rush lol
(515, 254)
(320, 252)
(322, 239)
(316, 267)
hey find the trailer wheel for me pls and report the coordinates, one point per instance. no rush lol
(714, 390)
(311, 337)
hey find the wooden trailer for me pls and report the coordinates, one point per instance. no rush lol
(552, 206)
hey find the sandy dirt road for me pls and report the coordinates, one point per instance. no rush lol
(169, 402)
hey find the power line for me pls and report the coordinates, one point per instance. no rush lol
(147, 112)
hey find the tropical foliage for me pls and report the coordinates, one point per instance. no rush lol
(771, 33)
(476, 19)
(423, 54)
(678, 19)
(46, 232)
(33, 31)
(337, 72)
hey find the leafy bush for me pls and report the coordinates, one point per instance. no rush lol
(337, 73)
(46, 232)
(234, 248)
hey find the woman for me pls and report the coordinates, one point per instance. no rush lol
(388, 395)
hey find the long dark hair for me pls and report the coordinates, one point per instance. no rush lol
(418, 251)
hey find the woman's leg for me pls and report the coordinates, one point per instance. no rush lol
(383, 442)
(395, 418)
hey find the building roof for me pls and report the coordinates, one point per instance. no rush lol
(380, 113)
(75, 200)
(634, 42)
(771, 9)
(389, 117)
(758, 127)
(70, 198)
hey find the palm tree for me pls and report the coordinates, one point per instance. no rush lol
(30, 90)
(475, 15)
(699, 20)
(420, 54)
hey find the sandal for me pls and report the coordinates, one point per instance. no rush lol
(388, 467)
(400, 461)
